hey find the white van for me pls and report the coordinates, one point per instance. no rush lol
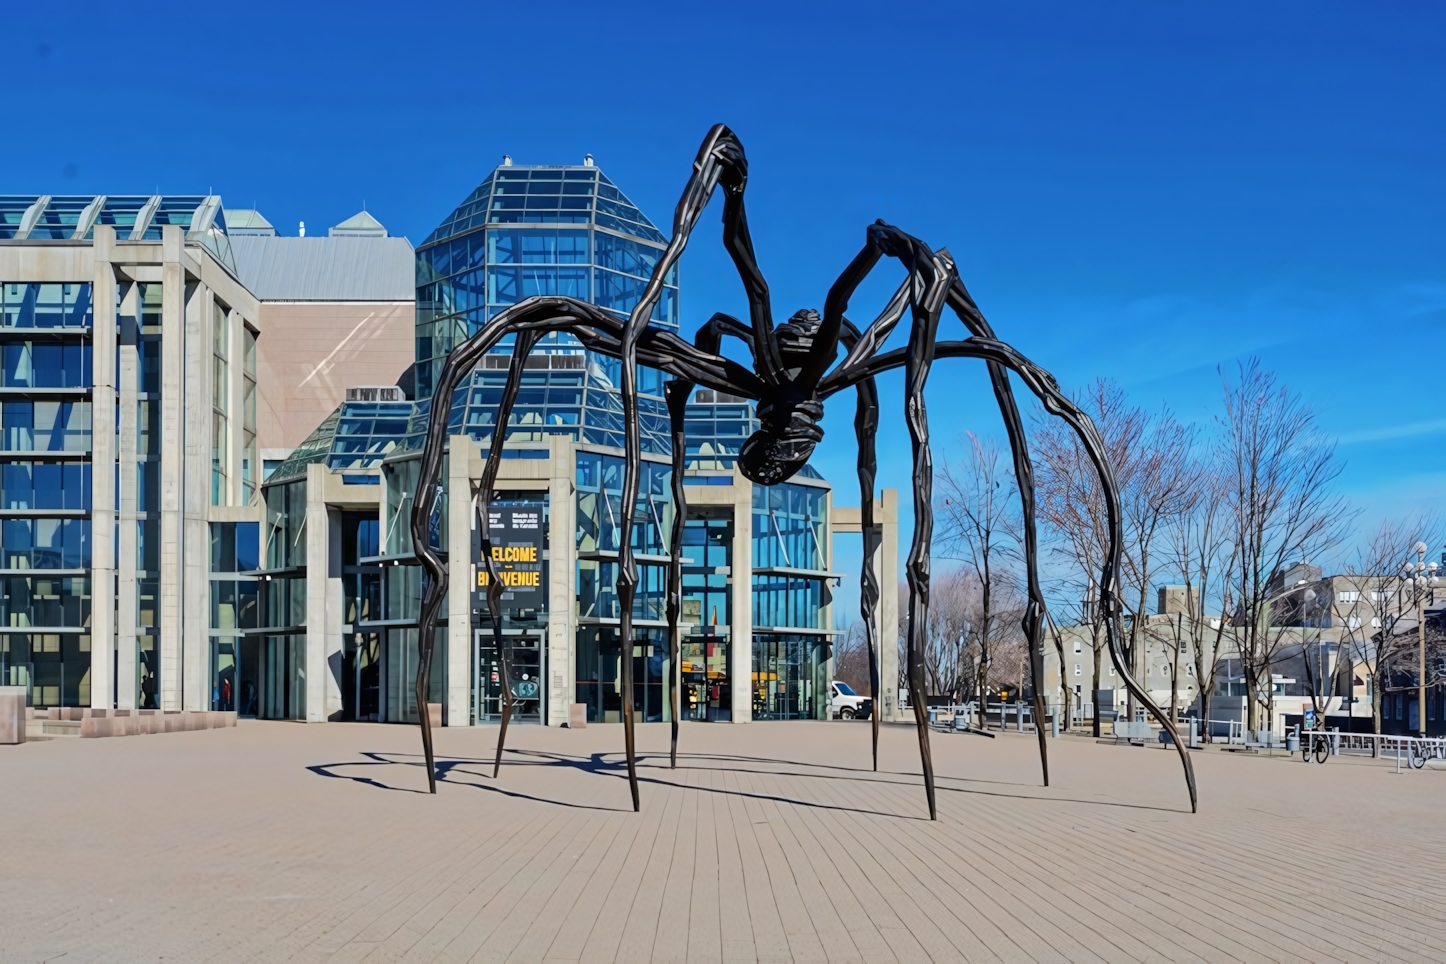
(845, 704)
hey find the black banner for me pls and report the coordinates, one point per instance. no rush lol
(517, 537)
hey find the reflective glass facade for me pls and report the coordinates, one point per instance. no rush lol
(531, 231)
(45, 485)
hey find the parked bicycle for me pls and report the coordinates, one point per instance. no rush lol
(1317, 743)
(1423, 750)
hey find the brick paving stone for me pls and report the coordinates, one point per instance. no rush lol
(769, 842)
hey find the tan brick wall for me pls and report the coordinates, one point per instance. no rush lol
(309, 353)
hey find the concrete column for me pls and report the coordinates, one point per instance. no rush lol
(335, 641)
(460, 582)
(128, 442)
(741, 632)
(173, 470)
(825, 616)
(196, 377)
(102, 478)
(317, 544)
(562, 575)
(886, 564)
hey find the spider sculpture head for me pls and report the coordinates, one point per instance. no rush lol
(789, 414)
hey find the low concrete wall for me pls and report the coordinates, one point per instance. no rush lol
(12, 714)
(101, 723)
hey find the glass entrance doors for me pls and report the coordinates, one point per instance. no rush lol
(525, 662)
(788, 677)
(706, 693)
(707, 612)
(272, 677)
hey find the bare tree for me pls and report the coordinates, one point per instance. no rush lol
(1204, 559)
(851, 658)
(1150, 455)
(1283, 509)
(1162, 482)
(954, 598)
(979, 522)
(1071, 506)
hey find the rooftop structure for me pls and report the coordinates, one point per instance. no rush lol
(46, 217)
(359, 225)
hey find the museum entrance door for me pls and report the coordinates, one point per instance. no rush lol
(525, 653)
(706, 694)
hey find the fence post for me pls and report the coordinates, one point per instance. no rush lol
(1054, 723)
(1019, 715)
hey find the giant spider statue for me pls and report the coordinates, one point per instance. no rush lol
(793, 373)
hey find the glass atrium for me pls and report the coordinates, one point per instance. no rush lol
(531, 231)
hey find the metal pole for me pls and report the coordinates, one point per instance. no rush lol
(1421, 637)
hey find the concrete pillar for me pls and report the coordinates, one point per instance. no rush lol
(235, 395)
(317, 544)
(173, 477)
(461, 580)
(741, 632)
(562, 574)
(102, 478)
(334, 642)
(825, 616)
(886, 564)
(196, 378)
(128, 442)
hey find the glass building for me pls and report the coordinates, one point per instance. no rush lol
(92, 613)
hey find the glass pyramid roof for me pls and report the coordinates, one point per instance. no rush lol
(547, 195)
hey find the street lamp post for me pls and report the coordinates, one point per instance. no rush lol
(1316, 696)
(1421, 583)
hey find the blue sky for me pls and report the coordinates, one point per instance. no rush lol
(1143, 191)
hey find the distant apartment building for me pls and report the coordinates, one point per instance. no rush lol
(150, 368)
(1323, 632)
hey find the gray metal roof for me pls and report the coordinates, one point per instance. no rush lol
(326, 269)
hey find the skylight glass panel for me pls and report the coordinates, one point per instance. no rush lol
(172, 210)
(120, 213)
(12, 211)
(59, 219)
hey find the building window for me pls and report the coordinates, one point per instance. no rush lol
(1078, 646)
(220, 404)
(1077, 670)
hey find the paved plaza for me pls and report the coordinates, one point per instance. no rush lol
(773, 841)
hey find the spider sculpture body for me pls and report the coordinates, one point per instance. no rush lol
(793, 373)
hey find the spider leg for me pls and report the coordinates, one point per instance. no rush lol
(1032, 621)
(925, 327)
(534, 314)
(720, 160)
(866, 427)
(678, 392)
(677, 395)
(1044, 387)
(523, 347)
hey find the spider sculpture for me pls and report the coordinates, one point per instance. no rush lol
(793, 373)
